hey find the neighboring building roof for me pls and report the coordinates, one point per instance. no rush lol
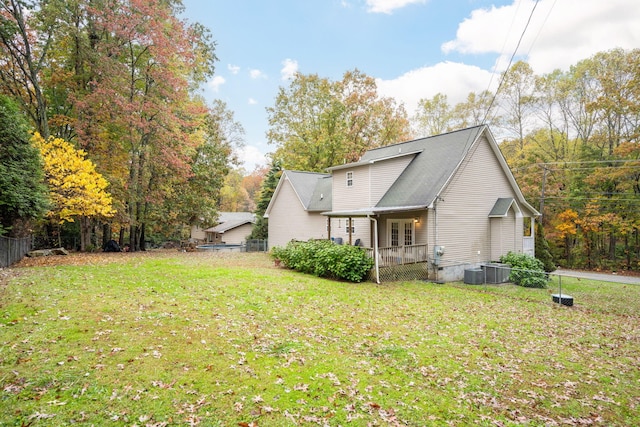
(230, 220)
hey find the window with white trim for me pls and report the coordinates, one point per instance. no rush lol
(350, 224)
(349, 179)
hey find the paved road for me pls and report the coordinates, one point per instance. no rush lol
(605, 277)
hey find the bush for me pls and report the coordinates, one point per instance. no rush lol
(324, 258)
(526, 270)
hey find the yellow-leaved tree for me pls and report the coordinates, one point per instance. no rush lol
(76, 189)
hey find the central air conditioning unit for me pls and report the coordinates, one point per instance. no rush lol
(496, 272)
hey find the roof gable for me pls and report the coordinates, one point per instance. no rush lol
(502, 206)
(312, 189)
(230, 220)
(430, 170)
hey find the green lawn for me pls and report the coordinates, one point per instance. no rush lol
(225, 340)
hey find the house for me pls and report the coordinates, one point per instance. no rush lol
(444, 203)
(295, 210)
(232, 228)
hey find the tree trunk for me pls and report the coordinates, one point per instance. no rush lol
(627, 251)
(85, 233)
(133, 238)
(143, 245)
(612, 246)
(106, 233)
(121, 237)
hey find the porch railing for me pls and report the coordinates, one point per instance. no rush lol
(400, 255)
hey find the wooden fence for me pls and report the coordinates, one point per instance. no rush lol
(13, 250)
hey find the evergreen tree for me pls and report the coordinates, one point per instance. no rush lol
(261, 228)
(23, 195)
(543, 253)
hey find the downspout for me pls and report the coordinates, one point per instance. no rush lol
(375, 247)
(435, 232)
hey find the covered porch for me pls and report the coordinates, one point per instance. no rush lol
(395, 239)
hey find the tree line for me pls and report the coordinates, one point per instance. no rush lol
(118, 81)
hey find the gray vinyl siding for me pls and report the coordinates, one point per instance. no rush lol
(462, 216)
(288, 220)
(370, 183)
(362, 230)
(354, 197)
(503, 235)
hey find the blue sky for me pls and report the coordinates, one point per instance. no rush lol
(414, 48)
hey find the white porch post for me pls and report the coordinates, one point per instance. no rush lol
(375, 248)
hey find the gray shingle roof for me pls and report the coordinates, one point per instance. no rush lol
(309, 186)
(501, 207)
(429, 171)
(321, 198)
(230, 220)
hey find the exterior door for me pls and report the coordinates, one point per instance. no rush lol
(401, 232)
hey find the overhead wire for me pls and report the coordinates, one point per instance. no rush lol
(524, 30)
(484, 118)
(541, 27)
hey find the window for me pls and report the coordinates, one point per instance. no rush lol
(350, 224)
(526, 226)
(349, 179)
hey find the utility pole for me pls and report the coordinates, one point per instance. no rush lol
(544, 184)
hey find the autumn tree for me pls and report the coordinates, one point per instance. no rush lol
(252, 183)
(475, 110)
(23, 196)
(77, 190)
(517, 96)
(26, 33)
(434, 116)
(316, 123)
(233, 196)
(140, 108)
(196, 199)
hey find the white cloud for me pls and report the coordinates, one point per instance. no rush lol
(216, 82)
(388, 6)
(233, 69)
(251, 157)
(252, 101)
(453, 79)
(257, 74)
(560, 34)
(289, 69)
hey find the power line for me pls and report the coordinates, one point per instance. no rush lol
(535, 39)
(588, 161)
(592, 199)
(510, 61)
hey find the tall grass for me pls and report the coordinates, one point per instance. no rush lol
(211, 339)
